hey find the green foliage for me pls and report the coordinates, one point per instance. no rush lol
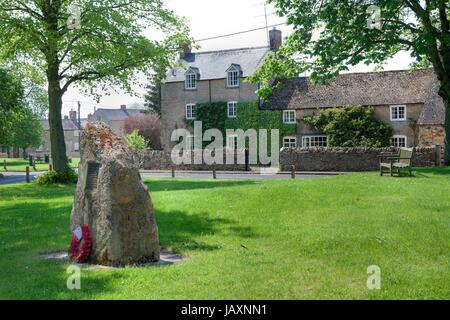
(351, 127)
(250, 116)
(94, 44)
(26, 130)
(136, 141)
(67, 176)
(348, 38)
(153, 96)
(11, 102)
(212, 114)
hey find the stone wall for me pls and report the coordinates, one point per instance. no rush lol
(346, 159)
(162, 160)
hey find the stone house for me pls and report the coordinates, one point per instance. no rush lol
(406, 100)
(72, 127)
(210, 77)
(114, 117)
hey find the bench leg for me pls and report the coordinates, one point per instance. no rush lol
(381, 171)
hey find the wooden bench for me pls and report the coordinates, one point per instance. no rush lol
(394, 162)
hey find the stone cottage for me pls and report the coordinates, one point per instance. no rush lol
(209, 77)
(406, 100)
(72, 127)
(114, 117)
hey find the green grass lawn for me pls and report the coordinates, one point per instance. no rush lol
(19, 164)
(305, 239)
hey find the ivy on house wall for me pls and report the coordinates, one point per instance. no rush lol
(249, 116)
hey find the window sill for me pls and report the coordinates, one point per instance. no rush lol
(397, 120)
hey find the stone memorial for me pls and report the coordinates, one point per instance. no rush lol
(113, 202)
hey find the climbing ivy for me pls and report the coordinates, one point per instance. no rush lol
(249, 116)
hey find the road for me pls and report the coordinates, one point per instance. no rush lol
(19, 177)
(226, 175)
(16, 177)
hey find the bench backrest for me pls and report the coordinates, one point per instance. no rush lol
(406, 155)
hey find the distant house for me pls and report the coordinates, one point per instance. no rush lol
(408, 101)
(72, 129)
(211, 76)
(114, 117)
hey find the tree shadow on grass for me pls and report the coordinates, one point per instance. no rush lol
(34, 190)
(181, 230)
(175, 185)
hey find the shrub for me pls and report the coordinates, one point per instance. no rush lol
(68, 176)
(148, 126)
(136, 141)
(351, 127)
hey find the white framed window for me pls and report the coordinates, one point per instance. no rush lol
(189, 145)
(191, 81)
(76, 133)
(314, 141)
(190, 111)
(398, 113)
(399, 141)
(233, 78)
(232, 109)
(289, 116)
(232, 142)
(39, 149)
(289, 142)
(76, 146)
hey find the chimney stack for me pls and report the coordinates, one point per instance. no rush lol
(73, 115)
(185, 50)
(276, 39)
(66, 117)
(123, 107)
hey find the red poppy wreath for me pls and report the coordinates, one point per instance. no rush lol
(80, 249)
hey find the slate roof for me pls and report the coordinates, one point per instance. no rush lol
(68, 124)
(214, 64)
(369, 89)
(117, 114)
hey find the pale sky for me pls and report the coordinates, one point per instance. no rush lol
(209, 18)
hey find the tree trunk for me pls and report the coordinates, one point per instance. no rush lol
(58, 145)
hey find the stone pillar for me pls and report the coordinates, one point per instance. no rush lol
(113, 202)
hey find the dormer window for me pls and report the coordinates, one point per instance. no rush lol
(191, 81)
(192, 75)
(233, 75)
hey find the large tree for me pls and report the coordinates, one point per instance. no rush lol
(11, 102)
(26, 130)
(153, 95)
(329, 35)
(91, 43)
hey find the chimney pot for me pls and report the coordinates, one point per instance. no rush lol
(276, 39)
(73, 115)
(66, 117)
(185, 50)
